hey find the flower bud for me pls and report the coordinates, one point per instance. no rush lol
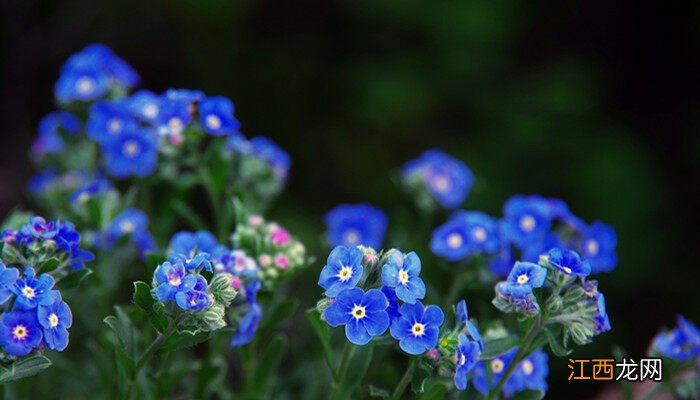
(221, 287)
(554, 304)
(213, 317)
(580, 333)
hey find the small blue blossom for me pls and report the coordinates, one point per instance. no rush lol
(68, 240)
(192, 300)
(355, 224)
(216, 114)
(363, 314)
(237, 262)
(342, 271)
(175, 112)
(568, 262)
(598, 247)
(526, 218)
(502, 262)
(38, 228)
(393, 307)
(522, 279)
(40, 183)
(467, 326)
(108, 119)
(144, 105)
(531, 373)
(145, 243)
(191, 243)
(50, 128)
(540, 246)
(91, 73)
(498, 366)
(464, 234)
(8, 277)
(267, 150)
(20, 332)
(32, 292)
(468, 352)
(249, 324)
(401, 272)
(681, 343)
(132, 153)
(55, 318)
(129, 221)
(602, 321)
(418, 327)
(86, 192)
(172, 279)
(446, 178)
(198, 262)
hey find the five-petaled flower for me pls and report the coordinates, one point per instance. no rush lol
(132, 153)
(356, 224)
(522, 279)
(468, 352)
(216, 114)
(342, 271)
(598, 246)
(363, 314)
(418, 327)
(55, 318)
(20, 332)
(32, 291)
(401, 272)
(568, 262)
(172, 279)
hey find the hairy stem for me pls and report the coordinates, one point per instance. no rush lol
(405, 379)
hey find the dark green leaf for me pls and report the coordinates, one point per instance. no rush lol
(528, 395)
(271, 358)
(143, 298)
(23, 368)
(555, 344)
(183, 340)
(496, 347)
(420, 376)
(49, 265)
(360, 359)
(435, 391)
(73, 280)
(375, 391)
(276, 315)
(324, 335)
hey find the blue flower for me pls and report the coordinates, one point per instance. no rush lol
(144, 105)
(356, 224)
(239, 263)
(191, 243)
(32, 292)
(533, 250)
(464, 234)
(363, 314)
(91, 73)
(50, 129)
(175, 112)
(129, 221)
(568, 262)
(108, 119)
(401, 273)
(393, 308)
(84, 193)
(198, 262)
(468, 352)
(145, 243)
(132, 153)
(267, 150)
(68, 240)
(55, 318)
(192, 300)
(216, 114)
(681, 343)
(418, 328)
(20, 332)
(462, 318)
(532, 372)
(522, 279)
(560, 211)
(249, 324)
(502, 262)
(526, 218)
(446, 178)
(602, 322)
(8, 277)
(172, 279)
(498, 366)
(39, 183)
(598, 247)
(343, 270)
(38, 228)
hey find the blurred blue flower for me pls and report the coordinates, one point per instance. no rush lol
(55, 318)
(401, 272)
(540, 246)
(68, 240)
(31, 292)
(526, 218)
(39, 183)
(467, 356)
(129, 221)
(418, 327)
(447, 179)
(598, 247)
(682, 343)
(342, 271)
(91, 73)
(363, 314)
(531, 373)
(144, 105)
(522, 279)
(89, 190)
(249, 324)
(20, 332)
(8, 277)
(107, 120)
(267, 150)
(191, 243)
(356, 224)
(568, 262)
(498, 366)
(216, 114)
(132, 153)
(50, 127)
(465, 233)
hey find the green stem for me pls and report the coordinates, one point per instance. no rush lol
(342, 370)
(519, 355)
(147, 354)
(455, 288)
(405, 379)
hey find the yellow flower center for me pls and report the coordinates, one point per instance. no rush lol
(84, 85)
(345, 274)
(403, 277)
(28, 292)
(592, 247)
(497, 365)
(213, 121)
(114, 125)
(358, 312)
(131, 149)
(454, 240)
(522, 279)
(175, 124)
(53, 320)
(527, 367)
(175, 281)
(527, 223)
(127, 226)
(150, 110)
(20, 332)
(418, 329)
(479, 234)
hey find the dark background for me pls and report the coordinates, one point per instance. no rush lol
(595, 103)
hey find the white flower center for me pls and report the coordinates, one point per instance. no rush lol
(345, 274)
(441, 183)
(131, 149)
(358, 312)
(175, 124)
(527, 367)
(20, 332)
(150, 110)
(454, 240)
(114, 125)
(418, 329)
(28, 292)
(175, 281)
(403, 277)
(53, 320)
(462, 359)
(527, 223)
(84, 84)
(351, 237)
(497, 365)
(83, 197)
(566, 269)
(522, 279)
(592, 247)
(127, 226)
(213, 121)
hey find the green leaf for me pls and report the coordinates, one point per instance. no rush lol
(435, 391)
(381, 393)
(277, 314)
(271, 358)
(143, 298)
(181, 340)
(73, 280)
(124, 331)
(529, 394)
(323, 333)
(49, 265)
(557, 347)
(420, 376)
(496, 347)
(26, 367)
(190, 215)
(360, 359)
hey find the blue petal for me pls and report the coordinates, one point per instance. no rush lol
(356, 333)
(376, 323)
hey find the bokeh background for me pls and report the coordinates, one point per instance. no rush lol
(596, 103)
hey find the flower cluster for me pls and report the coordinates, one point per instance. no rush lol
(356, 224)
(530, 373)
(531, 225)
(682, 343)
(436, 177)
